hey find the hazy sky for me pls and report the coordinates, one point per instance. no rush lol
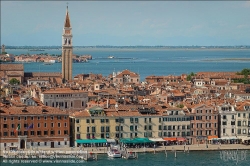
(127, 22)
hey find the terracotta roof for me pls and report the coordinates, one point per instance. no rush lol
(63, 90)
(32, 110)
(11, 67)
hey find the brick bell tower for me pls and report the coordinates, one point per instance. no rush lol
(67, 49)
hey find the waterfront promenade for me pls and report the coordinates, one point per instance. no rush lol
(196, 147)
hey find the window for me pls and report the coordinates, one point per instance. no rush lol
(58, 124)
(51, 132)
(59, 117)
(19, 118)
(145, 120)
(149, 127)
(38, 118)
(87, 121)
(102, 120)
(38, 124)
(12, 118)
(77, 129)
(5, 126)
(45, 132)
(136, 120)
(238, 114)
(159, 127)
(59, 143)
(92, 120)
(239, 123)
(45, 143)
(52, 124)
(45, 124)
(5, 133)
(239, 131)
(52, 117)
(65, 132)
(131, 120)
(145, 127)
(149, 119)
(107, 128)
(38, 143)
(45, 117)
(93, 129)
(65, 142)
(232, 123)
(224, 117)
(107, 120)
(131, 128)
(38, 132)
(224, 123)
(32, 133)
(59, 132)
(25, 118)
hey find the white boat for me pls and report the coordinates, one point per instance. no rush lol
(110, 57)
(114, 152)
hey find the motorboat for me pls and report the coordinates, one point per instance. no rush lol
(111, 57)
(114, 152)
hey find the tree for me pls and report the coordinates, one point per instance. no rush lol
(14, 81)
(189, 77)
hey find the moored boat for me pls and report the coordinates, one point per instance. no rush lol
(114, 152)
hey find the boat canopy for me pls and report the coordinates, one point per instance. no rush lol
(135, 140)
(90, 141)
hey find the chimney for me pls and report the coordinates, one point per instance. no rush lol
(107, 103)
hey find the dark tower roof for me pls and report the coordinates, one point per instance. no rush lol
(67, 20)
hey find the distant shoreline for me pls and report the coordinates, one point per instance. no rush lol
(132, 49)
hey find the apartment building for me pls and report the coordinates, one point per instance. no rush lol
(175, 124)
(204, 123)
(33, 127)
(227, 121)
(65, 98)
(242, 120)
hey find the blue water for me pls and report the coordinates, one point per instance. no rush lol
(196, 158)
(147, 61)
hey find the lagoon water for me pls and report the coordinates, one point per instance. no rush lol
(196, 158)
(147, 61)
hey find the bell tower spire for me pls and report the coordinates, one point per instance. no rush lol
(67, 49)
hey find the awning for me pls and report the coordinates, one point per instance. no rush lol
(212, 137)
(156, 139)
(90, 141)
(181, 139)
(135, 140)
(111, 140)
(170, 139)
(246, 139)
